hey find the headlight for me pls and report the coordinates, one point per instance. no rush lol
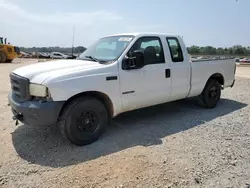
(38, 90)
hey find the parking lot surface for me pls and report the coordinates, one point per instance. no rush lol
(178, 144)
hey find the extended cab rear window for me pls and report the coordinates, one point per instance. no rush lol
(175, 49)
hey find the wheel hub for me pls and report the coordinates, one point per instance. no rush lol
(213, 92)
(87, 121)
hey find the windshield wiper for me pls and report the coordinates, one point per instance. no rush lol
(93, 58)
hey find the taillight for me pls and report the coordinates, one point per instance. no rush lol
(234, 68)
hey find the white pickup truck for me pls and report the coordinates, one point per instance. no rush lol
(116, 74)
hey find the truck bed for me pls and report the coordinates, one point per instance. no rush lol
(203, 69)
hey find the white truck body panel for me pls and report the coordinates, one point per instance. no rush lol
(134, 88)
(39, 72)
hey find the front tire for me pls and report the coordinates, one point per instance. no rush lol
(211, 94)
(83, 120)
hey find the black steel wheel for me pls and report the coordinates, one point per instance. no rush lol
(87, 121)
(83, 120)
(211, 94)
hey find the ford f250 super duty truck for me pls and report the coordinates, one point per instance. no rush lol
(116, 74)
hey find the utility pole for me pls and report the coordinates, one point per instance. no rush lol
(73, 40)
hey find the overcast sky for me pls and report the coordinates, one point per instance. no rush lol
(50, 22)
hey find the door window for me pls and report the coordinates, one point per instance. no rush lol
(151, 48)
(175, 49)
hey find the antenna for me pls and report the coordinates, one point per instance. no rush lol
(73, 40)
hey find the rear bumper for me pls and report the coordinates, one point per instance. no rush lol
(35, 113)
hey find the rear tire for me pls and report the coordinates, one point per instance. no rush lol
(2, 57)
(83, 120)
(210, 95)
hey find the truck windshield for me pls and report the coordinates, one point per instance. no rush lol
(106, 49)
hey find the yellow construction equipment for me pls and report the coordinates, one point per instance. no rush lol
(8, 52)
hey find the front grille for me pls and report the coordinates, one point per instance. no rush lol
(19, 87)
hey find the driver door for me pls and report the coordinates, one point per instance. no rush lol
(149, 85)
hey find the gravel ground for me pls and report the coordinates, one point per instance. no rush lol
(173, 145)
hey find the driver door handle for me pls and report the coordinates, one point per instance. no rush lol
(167, 73)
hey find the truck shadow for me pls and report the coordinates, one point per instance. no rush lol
(143, 127)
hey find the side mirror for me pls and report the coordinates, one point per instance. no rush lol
(136, 61)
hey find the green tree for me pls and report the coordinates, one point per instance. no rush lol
(220, 51)
(238, 50)
(194, 50)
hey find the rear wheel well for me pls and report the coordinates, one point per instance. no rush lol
(95, 94)
(218, 77)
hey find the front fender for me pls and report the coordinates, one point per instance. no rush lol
(65, 89)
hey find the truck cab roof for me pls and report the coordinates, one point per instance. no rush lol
(141, 34)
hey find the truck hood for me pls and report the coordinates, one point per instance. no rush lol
(39, 72)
